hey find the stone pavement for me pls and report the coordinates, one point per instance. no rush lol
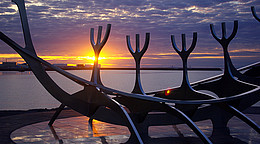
(32, 128)
(10, 123)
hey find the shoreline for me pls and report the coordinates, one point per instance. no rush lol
(3, 113)
(90, 68)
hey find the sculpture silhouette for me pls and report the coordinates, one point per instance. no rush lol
(227, 85)
(103, 103)
(137, 56)
(97, 49)
(254, 13)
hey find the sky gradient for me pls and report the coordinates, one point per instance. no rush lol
(60, 30)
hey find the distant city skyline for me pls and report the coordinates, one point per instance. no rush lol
(61, 29)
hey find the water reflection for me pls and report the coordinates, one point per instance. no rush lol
(22, 91)
(78, 130)
(55, 135)
(81, 129)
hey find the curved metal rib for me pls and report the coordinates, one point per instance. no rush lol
(131, 126)
(137, 57)
(254, 13)
(97, 49)
(25, 25)
(188, 121)
(101, 99)
(241, 116)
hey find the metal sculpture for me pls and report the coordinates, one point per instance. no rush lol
(185, 91)
(227, 85)
(136, 106)
(140, 108)
(137, 57)
(254, 13)
(97, 49)
(229, 67)
(95, 78)
(103, 103)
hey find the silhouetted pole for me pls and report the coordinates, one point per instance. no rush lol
(184, 54)
(137, 57)
(97, 47)
(229, 68)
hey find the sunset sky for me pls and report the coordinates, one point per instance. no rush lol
(61, 28)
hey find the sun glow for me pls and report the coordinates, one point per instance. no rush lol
(85, 59)
(93, 58)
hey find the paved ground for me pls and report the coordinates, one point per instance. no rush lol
(15, 121)
(31, 127)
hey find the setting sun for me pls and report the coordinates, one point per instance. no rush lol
(93, 58)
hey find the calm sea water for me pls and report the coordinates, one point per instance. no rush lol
(22, 91)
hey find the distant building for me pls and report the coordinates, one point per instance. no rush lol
(80, 65)
(85, 65)
(61, 65)
(13, 66)
(9, 64)
(23, 66)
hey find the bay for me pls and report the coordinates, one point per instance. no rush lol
(22, 91)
